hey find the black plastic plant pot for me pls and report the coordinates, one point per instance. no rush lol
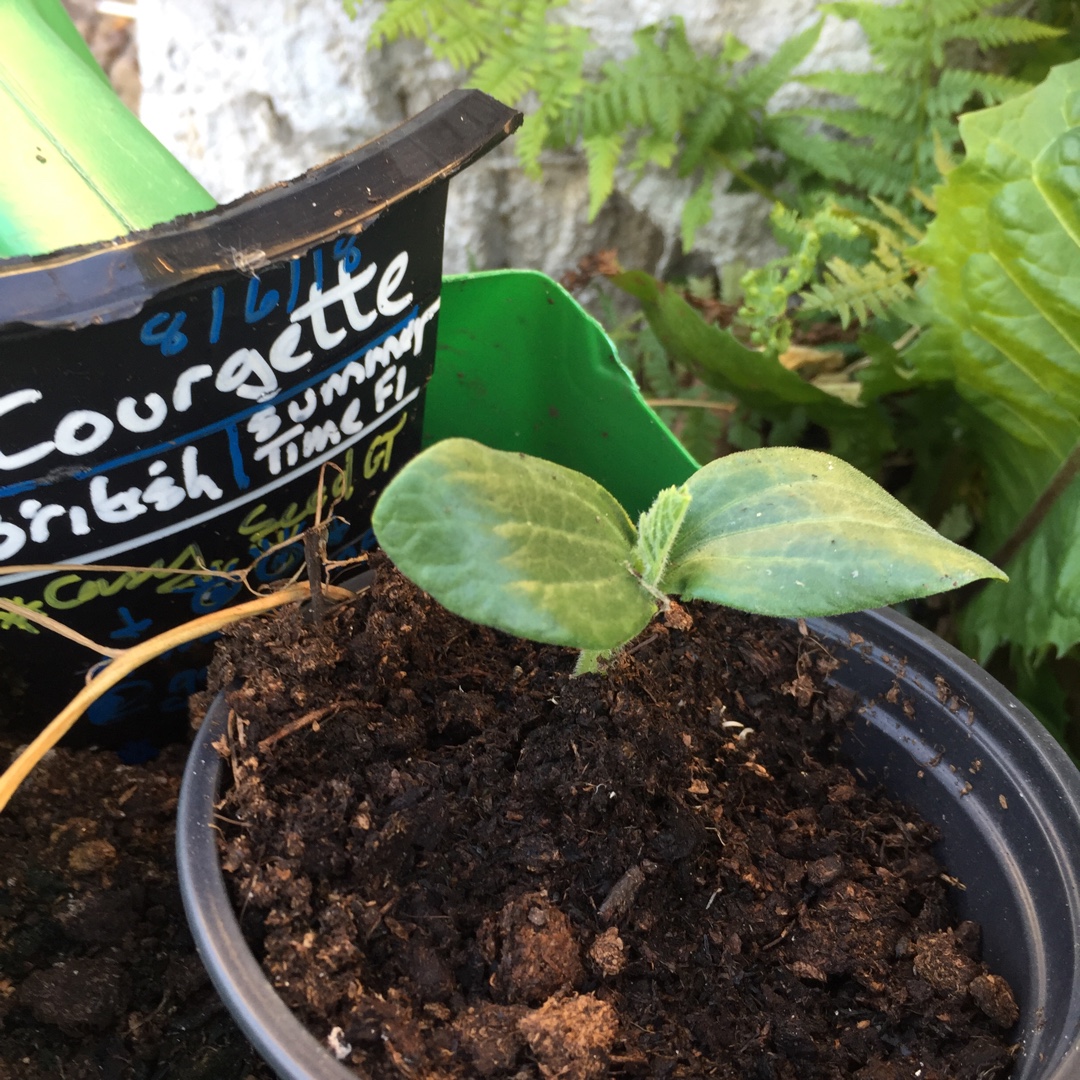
(933, 728)
(191, 396)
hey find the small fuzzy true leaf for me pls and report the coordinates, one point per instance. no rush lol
(657, 529)
(517, 543)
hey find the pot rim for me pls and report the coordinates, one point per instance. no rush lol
(270, 1026)
(1033, 762)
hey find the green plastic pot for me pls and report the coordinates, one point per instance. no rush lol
(521, 366)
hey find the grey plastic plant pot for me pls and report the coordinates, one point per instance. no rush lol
(934, 728)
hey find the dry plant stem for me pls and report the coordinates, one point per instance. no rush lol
(1064, 476)
(57, 627)
(134, 658)
(690, 403)
(314, 557)
(621, 898)
(314, 718)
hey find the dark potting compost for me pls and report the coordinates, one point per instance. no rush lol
(99, 978)
(456, 860)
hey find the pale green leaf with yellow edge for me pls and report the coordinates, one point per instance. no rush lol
(529, 547)
(790, 532)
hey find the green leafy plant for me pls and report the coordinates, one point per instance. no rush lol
(511, 49)
(1001, 297)
(898, 120)
(706, 111)
(756, 373)
(974, 395)
(698, 112)
(544, 552)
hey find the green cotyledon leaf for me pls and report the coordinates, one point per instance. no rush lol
(513, 542)
(790, 532)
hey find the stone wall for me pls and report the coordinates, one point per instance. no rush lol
(249, 93)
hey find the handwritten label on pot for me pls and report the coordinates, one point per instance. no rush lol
(194, 435)
(214, 402)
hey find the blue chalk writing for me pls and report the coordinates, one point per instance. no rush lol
(163, 329)
(217, 304)
(243, 481)
(131, 628)
(127, 698)
(345, 249)
(254, 311)
(294, 285)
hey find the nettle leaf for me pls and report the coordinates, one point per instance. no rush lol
(1005, 264)
(1040, 609)
(792, 532)
(516, 543)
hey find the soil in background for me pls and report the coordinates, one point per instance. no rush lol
(457, 861)
(99, 979)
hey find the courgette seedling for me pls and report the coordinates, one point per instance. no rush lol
(543, 552)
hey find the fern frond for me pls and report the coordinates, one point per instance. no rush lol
(991, 87)
(703, 130)
(901, 220)
(533, 136)
(653, 149)
(874, 285)
(697, 210)
(761, 82)
(636, 99)
(503, 77)
(644, 91)
(736, 142)
(666, 109)
(895, 33)
(878, 91)
(602, 153)
(859, 291)
(862, 123)
(699, 110)
(403, 18)
(786, 224)
(996, 31)
(948, 12)
(824, 155)
(875, 176)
